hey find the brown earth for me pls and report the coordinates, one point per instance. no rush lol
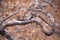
(32, 31)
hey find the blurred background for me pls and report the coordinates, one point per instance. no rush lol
(30, 31)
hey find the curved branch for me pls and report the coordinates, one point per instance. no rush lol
(16, 22)
(14, 13)
(46, 29)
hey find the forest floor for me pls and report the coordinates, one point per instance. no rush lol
(32, 31)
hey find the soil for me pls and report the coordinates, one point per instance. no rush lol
(32, 31)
